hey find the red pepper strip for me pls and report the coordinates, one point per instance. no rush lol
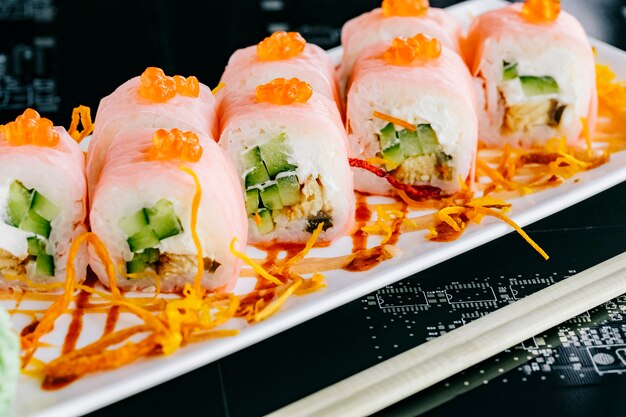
(415, 192)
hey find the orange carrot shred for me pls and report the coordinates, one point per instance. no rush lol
(194, 220)
(80, 114)
(395, 121)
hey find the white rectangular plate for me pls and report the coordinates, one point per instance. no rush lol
(96, 391)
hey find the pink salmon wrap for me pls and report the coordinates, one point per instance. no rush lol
(437, 91)
(558, 49)
(317, 143)
(59, 175)
(131, 182)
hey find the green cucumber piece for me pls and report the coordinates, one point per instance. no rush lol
(388, 136)
(509, 71)
(538, 86)
(19, 202)
(134, 223)
(409, 143)
(267, 224)
(252, 200)
(142, 260)
(319, 218)
(137, 264)
(257, 175)
(275, 154)
(393, 154)
(35, 246)
(44, 207)
(252, 157)
(270, 196)
(428, 139)
(163, 220)
(145, 238)
(289, 189)
(36, 224)
(44, 264)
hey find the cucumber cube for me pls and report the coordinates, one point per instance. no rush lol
(267, 224)
(388, 136)
(35, 246)
(252, 200)
(134, 223)
(137, 264)
(145, 238)
(289, 189)
(257, 175)
(538, 86)
(19, 202)
(275, 154)
(44, 264)
(252, 157)
(163, 220)
(394, 155)
(44, 207)
(142, 260)
(428, 139)
(409, 143)
(270, 197)
(36, 224)
(509, 71)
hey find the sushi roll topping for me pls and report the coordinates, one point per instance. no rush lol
(157, 87)
(541, 11)
(282, 91)
(30, 129)
(404, 7)
(175, 144)
(405, 51)
(280, 45)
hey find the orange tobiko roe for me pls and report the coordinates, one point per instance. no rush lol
(283, 91)
(158, 87)
(404, 51)
(541, 11)
(175, 144)
(404, 7)
(30, 129)
(280, 45)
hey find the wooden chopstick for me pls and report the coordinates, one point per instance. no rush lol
(412, 371)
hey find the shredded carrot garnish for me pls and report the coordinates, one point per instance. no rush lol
(257, 218)
(304, 252)
(491, 212)
(395, 121)
(272, 307)
(218, 87)
(257, 268)
(390, 165)
(80, 114)
(195, 205)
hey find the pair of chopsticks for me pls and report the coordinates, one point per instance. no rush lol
(410, 372)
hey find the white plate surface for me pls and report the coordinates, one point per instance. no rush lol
(98, 390)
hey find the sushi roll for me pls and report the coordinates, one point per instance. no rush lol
(289, 148)
(395, 18)
(535, 70)
(411, 111)
(9, 364)
(153, 100)
(42, 202)
(143, 211)
(285, 55)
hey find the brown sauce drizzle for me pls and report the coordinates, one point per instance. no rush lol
(112, 316)
(76, 325)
